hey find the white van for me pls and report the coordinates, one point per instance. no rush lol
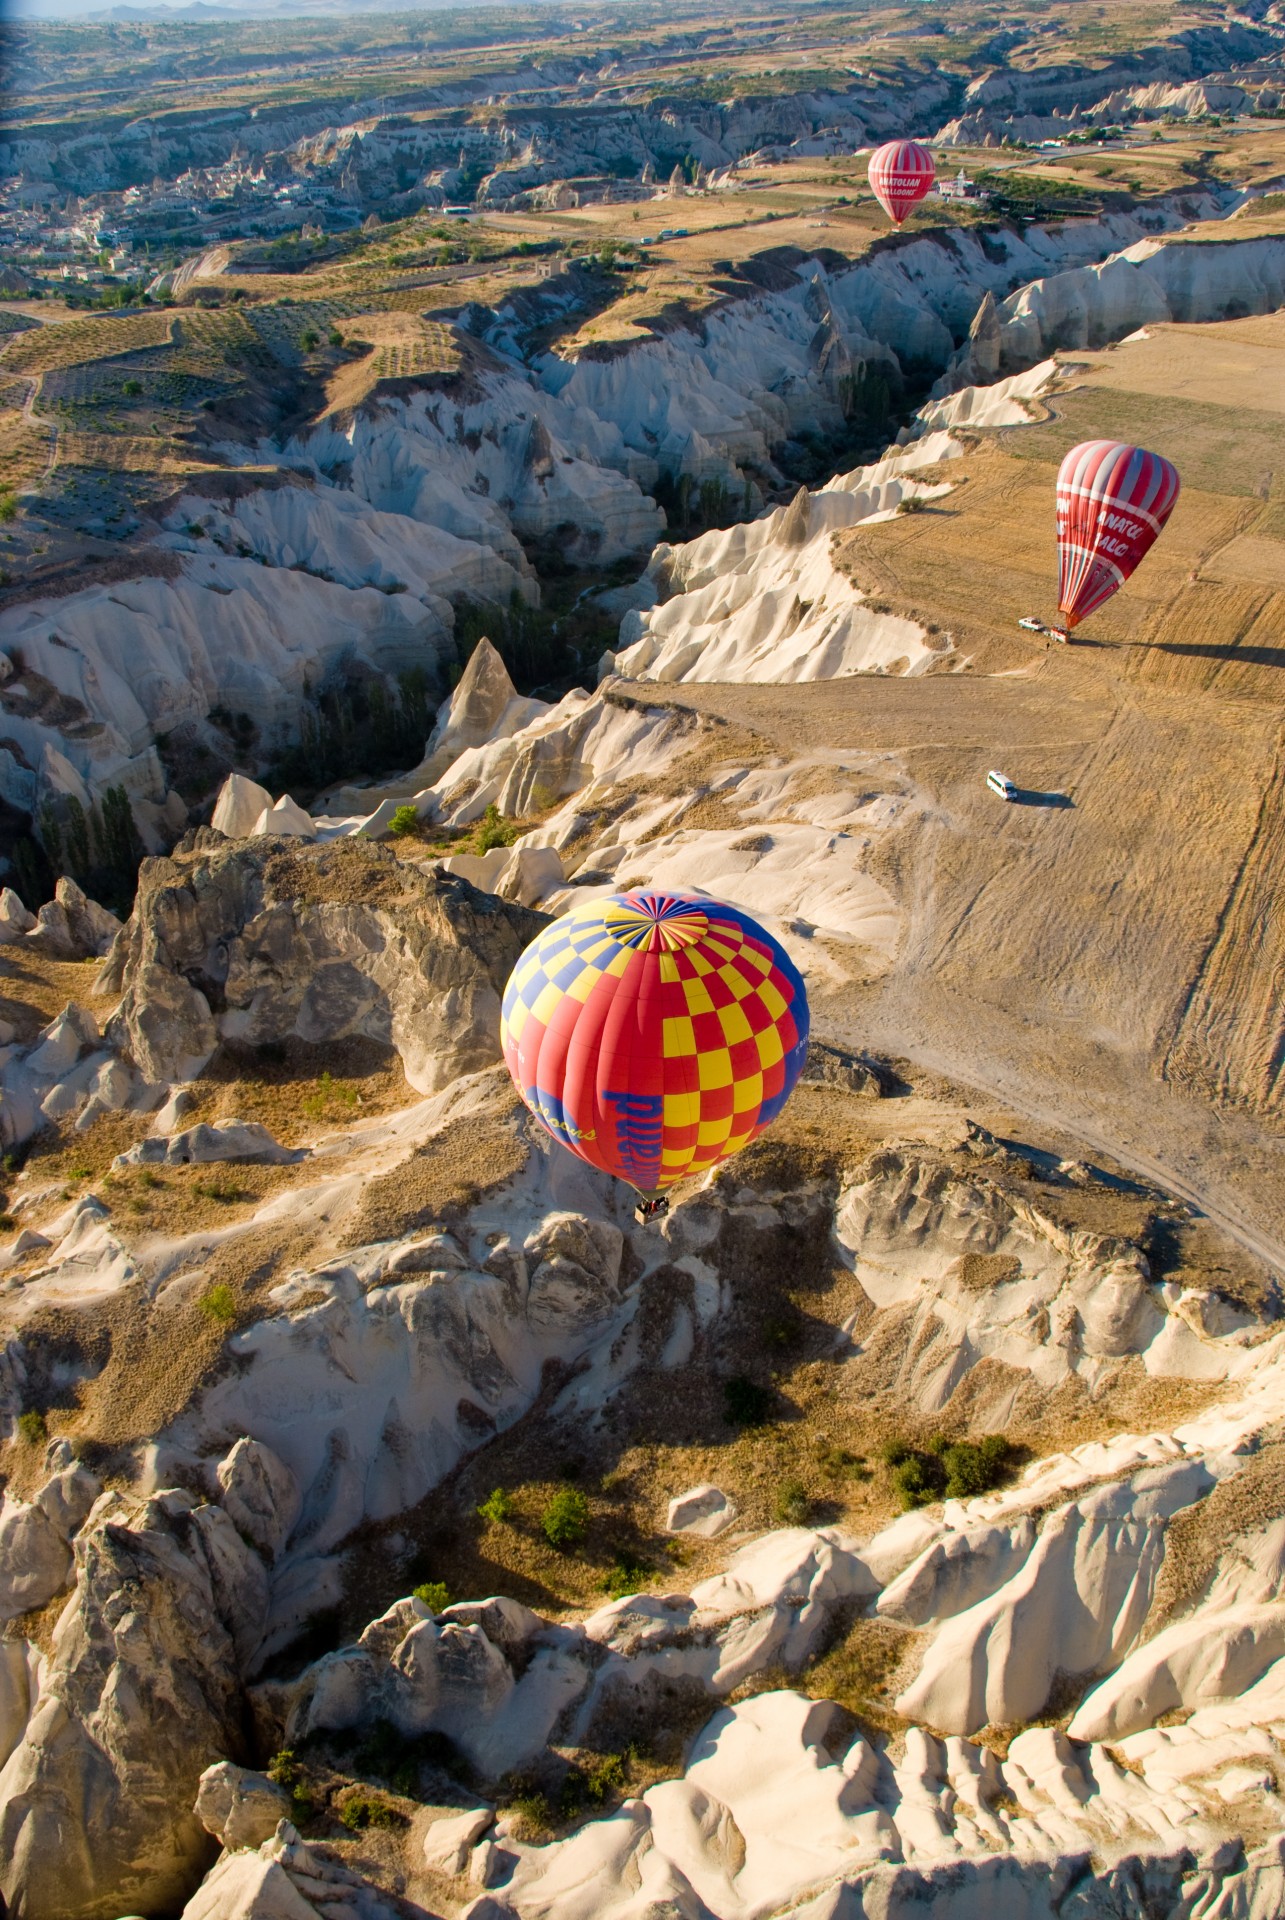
(1001, 784)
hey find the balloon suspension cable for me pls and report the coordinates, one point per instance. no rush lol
(651, 1207)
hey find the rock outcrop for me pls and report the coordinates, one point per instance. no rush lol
(15, 919)
(139, 1695)
(286, 1878)
(68, 1070)
(256, 942)
(485, 706)
(238, 1807)
(68, 927)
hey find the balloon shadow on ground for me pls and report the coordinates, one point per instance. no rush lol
(1233, 655)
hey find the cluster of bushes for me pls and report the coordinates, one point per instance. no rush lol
(586, 1787)
(948, 1469)
(492, 830)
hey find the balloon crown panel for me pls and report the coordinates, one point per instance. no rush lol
(654, 1034)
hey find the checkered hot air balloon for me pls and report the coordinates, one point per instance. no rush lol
(1112, 501)
(900, 174)
(654, 1034)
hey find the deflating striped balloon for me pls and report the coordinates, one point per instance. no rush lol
(654, 1034)
(1112, 501)
(900, 174)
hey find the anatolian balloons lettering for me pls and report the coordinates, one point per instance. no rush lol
(1112, 501)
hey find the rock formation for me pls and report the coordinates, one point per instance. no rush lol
(139, 1695)
(253, 942)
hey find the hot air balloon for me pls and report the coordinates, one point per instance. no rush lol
(1112, 501)
(900, 174)
(654, 1034)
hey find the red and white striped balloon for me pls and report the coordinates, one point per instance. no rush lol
(1112, 501)
(901, 173)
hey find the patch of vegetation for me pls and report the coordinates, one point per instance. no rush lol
(1029, 196)
(405, 821)
(219, 1305)
(948, 1469)
(221, 1187)
(793, 1505)
(329, 1092)
(841, 1463)
(494, 830)
(433, 1594)
(32, 1428)
(565, 1520)
(285, 1768)
(745, 1402)
(361, 1810)
(628, 1574)
(100, 850)
(357, 729)
(497, 1507)
(530, 1814)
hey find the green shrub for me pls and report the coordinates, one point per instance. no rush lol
(8, 508)
(532, 1814)
(369, 1810)
(745, 1402)
(493, 830)
(32, 1428)
(497, 1507)
(219, 1304)
(627, 1575)
(948, 1469)
(566, 1519)
(329, 1089)
(792, 1503)
(434, 1595)
(284, 1768)
(220, 1188)
(405, 820)
(973, 1468)
(606, 1777)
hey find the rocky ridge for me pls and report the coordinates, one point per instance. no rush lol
(391, 518)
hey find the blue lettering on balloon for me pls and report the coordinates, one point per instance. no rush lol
(639, 1129)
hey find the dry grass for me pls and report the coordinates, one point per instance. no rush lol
(403, 347)
(24, 450)
(865, 1669)
(34, 989)
(448, 1174)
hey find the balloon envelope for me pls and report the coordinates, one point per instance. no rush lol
(900, 174)
(1112, 501)
(655, 1033)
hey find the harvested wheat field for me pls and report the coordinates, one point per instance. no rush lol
(1106, 952)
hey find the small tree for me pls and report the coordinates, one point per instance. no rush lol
(566, 1519)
